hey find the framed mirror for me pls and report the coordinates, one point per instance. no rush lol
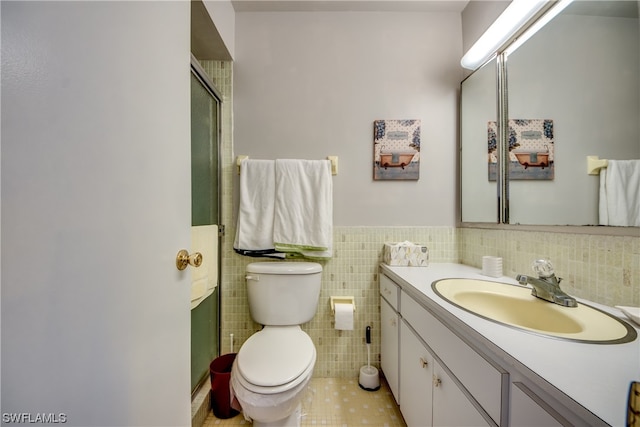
(478, 108)
(573, 92)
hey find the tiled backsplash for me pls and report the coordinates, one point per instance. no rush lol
(604, 269)
(353, 270)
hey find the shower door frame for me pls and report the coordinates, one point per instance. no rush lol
(200, 74)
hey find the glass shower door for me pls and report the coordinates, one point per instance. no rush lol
(205, 137)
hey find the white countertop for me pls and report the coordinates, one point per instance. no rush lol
(597, 376)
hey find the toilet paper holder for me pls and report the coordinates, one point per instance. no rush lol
(342, 300)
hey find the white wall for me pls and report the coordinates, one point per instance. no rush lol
(223, 17)
(310, 84)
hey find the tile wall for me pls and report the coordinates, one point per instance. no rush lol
(352, 271)
(604, 269)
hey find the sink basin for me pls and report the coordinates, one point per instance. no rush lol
(514, 306)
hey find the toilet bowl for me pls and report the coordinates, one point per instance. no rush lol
(271, 373)
(273, 367)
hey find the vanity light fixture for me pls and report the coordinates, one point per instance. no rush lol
(559, 7)
(508, 23)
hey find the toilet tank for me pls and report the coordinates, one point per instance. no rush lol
(283, 293)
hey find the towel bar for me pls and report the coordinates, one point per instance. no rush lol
(594, 164)
(333, 159)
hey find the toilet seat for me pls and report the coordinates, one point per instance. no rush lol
(276, 359)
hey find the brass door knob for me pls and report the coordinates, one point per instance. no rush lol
(183, 259)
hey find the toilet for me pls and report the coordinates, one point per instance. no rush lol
(273, 367)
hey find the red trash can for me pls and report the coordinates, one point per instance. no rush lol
(220, 371)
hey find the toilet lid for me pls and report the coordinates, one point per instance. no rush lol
(275, 356)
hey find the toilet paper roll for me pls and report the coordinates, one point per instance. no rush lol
(344, 316)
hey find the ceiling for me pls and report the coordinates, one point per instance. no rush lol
(206, 42)
(349, 5)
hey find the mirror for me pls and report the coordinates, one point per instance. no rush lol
(477, 108)
(576, 85)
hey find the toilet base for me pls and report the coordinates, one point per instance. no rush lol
(292, 420)
(266, 409)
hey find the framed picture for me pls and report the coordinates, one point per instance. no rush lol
(531, 149)
(396, 150)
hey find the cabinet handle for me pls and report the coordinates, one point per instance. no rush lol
(436, 381)
(423, 362)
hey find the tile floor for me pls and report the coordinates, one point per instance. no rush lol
(338, 402)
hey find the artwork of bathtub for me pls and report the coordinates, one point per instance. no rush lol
(531, 145)
(532, 159)
(396, 149)
(396, 159)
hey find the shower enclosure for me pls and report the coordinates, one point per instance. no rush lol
(205, 194)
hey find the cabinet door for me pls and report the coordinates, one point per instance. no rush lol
(451, 407)
(527, 409)
(416, 366)
(389, 346)
(481, 378)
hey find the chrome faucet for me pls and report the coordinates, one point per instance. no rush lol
(547, 285)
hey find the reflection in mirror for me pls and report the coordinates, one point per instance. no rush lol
(576, 84)
(581, 74)
(478, 108)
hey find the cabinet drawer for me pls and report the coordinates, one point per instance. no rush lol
(485, 383)
(389, 291)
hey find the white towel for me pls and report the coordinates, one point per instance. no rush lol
(204, 279)
(254, 231)
(620, 193)
(303, 220)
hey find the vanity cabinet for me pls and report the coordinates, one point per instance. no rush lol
(483, 383)
(390, 334)
(435, 377)
(457, 370)
(430, 396)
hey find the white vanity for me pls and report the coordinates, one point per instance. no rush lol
(447, 366)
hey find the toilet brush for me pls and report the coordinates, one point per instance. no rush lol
(369, 379)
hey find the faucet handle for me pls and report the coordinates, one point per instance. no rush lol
(543, 267)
